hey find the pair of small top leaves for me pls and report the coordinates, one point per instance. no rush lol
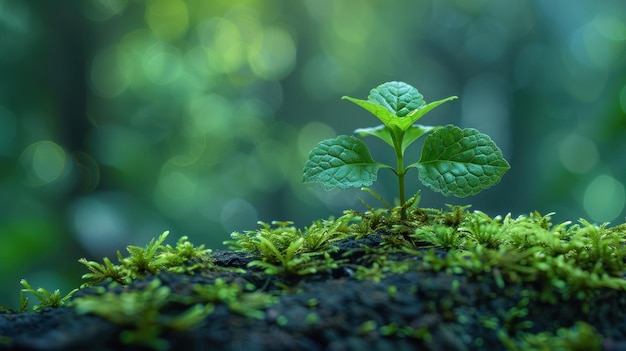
(454, 161)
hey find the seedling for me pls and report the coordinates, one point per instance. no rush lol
(183, 258)
(46, 298)
(289, 262)
(454, 161)
(285, 249)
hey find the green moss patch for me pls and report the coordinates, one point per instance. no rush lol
(439, 279)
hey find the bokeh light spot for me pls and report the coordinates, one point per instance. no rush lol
(162, 63)
(177, 189)
(176, 185)
(601, 50)
(273, 54)
(234, 177)
(353, 23)
(102, 10)
(106, 78)
(325, 78)
(119, 147)
(98, 225)
(222, 40)
(604, 198)
(89, 169)
(311, 134)
(591, 48)
(198, 70)
(168, 19)
(211, 114)
(44, 162)
(578, 154)
(610, 27)
(218, 35)
(131, 57)
(254, 115)
(486, 40)
(582, 81)
(238, 214)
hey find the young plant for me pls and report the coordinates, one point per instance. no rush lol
(182, 258)
(100, 272)
(284, 249)
(290, 262)
(46, 298)
(454, 161)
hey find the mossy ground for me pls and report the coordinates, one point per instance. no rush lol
(441, 280)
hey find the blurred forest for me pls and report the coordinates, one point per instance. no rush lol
(121, 119)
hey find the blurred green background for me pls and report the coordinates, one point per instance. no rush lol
(122, 119)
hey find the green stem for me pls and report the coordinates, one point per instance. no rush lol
(401, 186)
(397, 145)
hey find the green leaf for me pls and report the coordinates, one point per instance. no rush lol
(391, 101)
(341, 162)
(460, 162)
(414, 115)
(397, 104)
(388, 118)
(382, 132)
(413, 133)
(398, 98)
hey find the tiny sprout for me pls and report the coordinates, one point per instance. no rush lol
(46, 298)
(454, 161)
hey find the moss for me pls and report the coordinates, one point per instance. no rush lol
(281, 248)
(146, 313)
(155, 257)
(581, 337)
(529, 259)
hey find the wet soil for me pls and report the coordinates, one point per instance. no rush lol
(410, 310)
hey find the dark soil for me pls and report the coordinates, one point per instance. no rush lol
(451, 314)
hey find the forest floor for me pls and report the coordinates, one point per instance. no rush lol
(333, 310)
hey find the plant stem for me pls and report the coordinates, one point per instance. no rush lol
(397, 142)
(401, 186)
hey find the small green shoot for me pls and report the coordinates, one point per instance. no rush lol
(438, 235)
(46, 298)
(285, 249)
(182, 258)
(319, 237)
(142, 259)
(454, 161)
(100, 272)
(288, 261)
(242, 300)
(580, 336)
